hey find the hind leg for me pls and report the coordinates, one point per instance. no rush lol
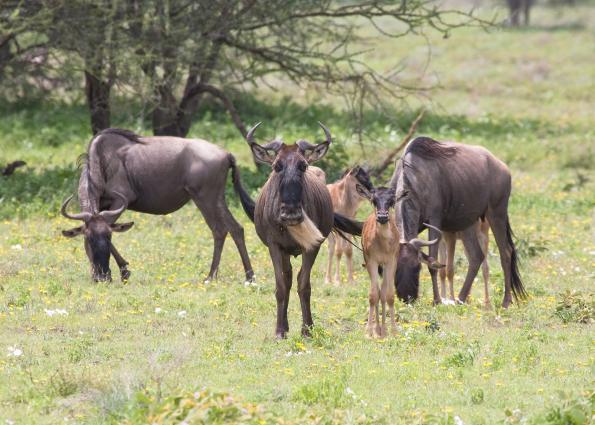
(484, 240)
(212, 215)
(475, 257)
(331, 255)
(349, 260)
(237, 234)
(338, 255)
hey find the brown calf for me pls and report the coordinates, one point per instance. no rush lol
(380, 243)
(346, 201)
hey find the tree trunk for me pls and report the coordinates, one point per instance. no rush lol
(98, 100)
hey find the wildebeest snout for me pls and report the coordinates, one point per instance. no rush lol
(291, 214)
(382, 217)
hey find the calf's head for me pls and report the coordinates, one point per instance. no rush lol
(409, 264)
(97, 231)
(289, 164)
(382, 198)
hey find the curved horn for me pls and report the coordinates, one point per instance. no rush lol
(420, 243)
(250, 135)
(113, 213)
(84, 216)
(327, 133)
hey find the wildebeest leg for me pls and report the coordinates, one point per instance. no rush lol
(442, 272)
(388, 277)
(373, 297)
(485, 268)
(212, 214)
(122, 263)
(305, 289)
(237, 234)
(338, 254)
(331, 240)
(349, 259)
(433, 234)
(475, 256)
(282, 267)
(451, 243)
(498, 224)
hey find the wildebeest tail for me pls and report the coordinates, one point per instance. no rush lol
(518, 289)
(346, 225)
(245, 199)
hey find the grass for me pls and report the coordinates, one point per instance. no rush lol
(164, 347)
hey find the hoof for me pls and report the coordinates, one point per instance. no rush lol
(437, 301)
(460, 302)
(307, 331)
(280, 334)
(125, 274)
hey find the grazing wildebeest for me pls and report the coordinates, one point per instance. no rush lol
(345, 200)
(380, 243)
(293, 215)
(154, 175)
(452, 186)
(446, 254)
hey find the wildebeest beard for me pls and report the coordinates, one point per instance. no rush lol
(99, 255)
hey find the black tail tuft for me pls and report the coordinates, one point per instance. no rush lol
(247, 202)
(518, 290)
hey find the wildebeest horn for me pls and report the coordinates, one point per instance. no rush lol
(84, 216)
(419, 243)
(327, 133)
(250, 135)
(112, 213)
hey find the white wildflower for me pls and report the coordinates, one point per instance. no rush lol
(157, 310)
(182, 313)
(14, 351)
(458, 421)
(17, 247)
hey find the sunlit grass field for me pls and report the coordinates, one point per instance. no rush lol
(164, 346)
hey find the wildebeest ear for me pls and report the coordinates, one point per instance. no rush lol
(263, 155)
(73, 232)
(313, 153)
(430, 261)
(363, 192)
(121, 227)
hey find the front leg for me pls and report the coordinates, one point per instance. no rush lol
(373, 297)
(433, 234)
(281, 291)
(390, 294)
(122, 263)
(305, 289)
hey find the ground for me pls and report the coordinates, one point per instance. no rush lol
(78, 352)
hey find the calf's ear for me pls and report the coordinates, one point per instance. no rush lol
(121, 227)
(363, 192)
(71, 233)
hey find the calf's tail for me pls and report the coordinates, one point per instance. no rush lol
(344, 225)
(518, 289)
(245, 199)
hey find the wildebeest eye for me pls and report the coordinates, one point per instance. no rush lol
(278, 167)
(302, 166)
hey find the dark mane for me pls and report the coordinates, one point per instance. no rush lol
(130, 135)
(429, 148)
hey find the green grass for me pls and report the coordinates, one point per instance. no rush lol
(128, 353)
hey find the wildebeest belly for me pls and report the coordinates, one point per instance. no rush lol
(460, 219)
(159, 200)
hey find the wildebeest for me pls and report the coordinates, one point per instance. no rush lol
(451, 186)
(380, 243)
(293, 215)
(345, 200)
(446, 253)
(154, 175)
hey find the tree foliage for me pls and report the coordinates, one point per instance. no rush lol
(175, 53)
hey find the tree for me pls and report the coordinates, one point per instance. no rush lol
(177, 52)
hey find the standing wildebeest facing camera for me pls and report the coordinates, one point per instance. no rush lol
(451, 186)
(293, 215)
(154, 175)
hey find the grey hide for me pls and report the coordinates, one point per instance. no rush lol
(450, 186)
(155, 175)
